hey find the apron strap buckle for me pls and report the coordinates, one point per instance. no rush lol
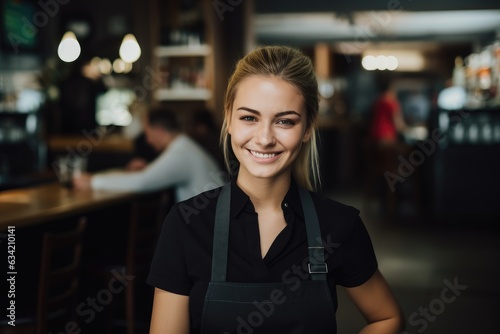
(317, 263)
(318, 268)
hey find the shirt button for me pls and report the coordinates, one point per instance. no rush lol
(285, 204)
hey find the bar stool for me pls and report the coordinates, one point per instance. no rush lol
(58, 286)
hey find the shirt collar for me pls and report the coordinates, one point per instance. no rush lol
(239, 199)
(292, 198)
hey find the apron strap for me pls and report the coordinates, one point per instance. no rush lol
(317, 265)
(221, 234)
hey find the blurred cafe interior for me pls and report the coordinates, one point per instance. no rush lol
(77, 77)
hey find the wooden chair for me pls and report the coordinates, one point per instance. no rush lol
(146, 219)
(58, 284)
(58, 287)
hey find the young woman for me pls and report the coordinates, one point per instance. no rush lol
(263, 254)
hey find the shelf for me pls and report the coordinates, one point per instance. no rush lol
(188, 94)
(183, 51)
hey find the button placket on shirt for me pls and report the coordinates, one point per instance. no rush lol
(283, 238)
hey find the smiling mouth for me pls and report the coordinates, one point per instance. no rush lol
(263, 155)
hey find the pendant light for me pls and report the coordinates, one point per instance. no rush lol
(130, 50)
(69, 48)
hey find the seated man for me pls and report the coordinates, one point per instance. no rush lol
(144, 153)
(182, 163)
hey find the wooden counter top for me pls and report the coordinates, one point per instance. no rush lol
(108, 143)
(28, 206)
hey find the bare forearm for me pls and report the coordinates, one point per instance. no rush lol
(387, 326)
(377, 304)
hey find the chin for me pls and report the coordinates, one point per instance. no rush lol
(267, 173)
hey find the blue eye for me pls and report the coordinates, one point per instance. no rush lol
(286, 122)
(247, 118)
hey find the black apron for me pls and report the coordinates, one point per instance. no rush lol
(292, 307)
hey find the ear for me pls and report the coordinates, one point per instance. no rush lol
(307, 135)
(229, 128)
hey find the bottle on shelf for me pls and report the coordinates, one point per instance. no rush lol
(496, 130)
(458, 78)
(496, 71)
(185, 69)
(484, 73)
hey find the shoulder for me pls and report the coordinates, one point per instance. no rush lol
(198, 208)
(184, 141)
(325, 204)
(187, 146)
(334, 215)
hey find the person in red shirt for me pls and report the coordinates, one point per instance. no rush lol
(387, 120)
(383, 145)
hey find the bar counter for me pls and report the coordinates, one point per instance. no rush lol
(94, 142)
(39, 204)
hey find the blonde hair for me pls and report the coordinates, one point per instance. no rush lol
(292, 66)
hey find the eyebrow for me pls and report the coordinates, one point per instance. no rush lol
(280, 114)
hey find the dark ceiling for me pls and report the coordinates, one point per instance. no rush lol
(302, 22)
(299, 6)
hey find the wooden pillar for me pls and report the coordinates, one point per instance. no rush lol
(231, 34)
(322, 60)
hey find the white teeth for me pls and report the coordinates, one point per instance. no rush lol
(263, 155)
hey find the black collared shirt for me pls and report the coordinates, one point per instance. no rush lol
(183, 259)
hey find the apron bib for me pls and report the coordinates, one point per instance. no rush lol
(292, 307)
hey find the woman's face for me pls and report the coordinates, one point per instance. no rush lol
(268, 125)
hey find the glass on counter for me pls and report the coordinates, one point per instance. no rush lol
(68, 167)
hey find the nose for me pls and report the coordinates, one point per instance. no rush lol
(265, 136)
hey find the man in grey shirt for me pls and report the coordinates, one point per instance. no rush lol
(182, 164)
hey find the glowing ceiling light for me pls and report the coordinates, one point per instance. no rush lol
(69, 48)
(369, 63)
(130, 50)
(407, 60)
(392, 63)
(128, 68)
(105, 66)
(118, 65)
(381, 62)
(95, 62)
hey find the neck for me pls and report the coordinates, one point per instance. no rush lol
(169, 138)
(265, 193)
(390, 94)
